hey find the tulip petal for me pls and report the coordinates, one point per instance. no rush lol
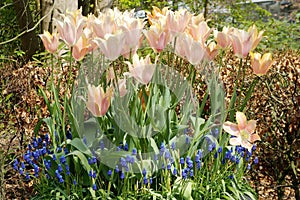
(254, 137)
(235, 141)
(104, 105)
(148, 73)
(247, 145)
(93, 108)
(250, 127)
(237, 46)
(241, 120)
(231, 128)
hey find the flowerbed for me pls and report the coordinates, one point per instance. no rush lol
(131, 127)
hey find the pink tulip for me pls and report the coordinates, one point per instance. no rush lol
(50, 41)
(199, 32)
(132, 29)
(110, 74)
(243, 41)
(111, 46)
(261, 65)
(256, 37)
(186, 47)
(71, 29)
(141, 69)
(114, 13)
(211, 51)
(89, 35)
(157, 14)
(177, 21)
(243, 131)
(157, 37)
(110, 77)
(80, 49)
(98, 102)
(104, 24)
(223, 38)
(196, 20)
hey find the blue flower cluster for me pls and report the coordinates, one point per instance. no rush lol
(40, 157)
(188, 165)
(234, 155)
(164, 159)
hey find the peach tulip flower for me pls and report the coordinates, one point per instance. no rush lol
(98, 102)
(243, 131)
(256, 37)
(50, 41)
(199, 32)
(89, 35)
(223, 38)
(132, 29)
(261, 65)
(156, 14)
(157, 36)
(186, 47)
(196, 20)
(81, 48)
(177, 21)
(110, 77)
(243, 41)
(114, 13)
(71, 29)
(103, 24)
(141, 69)
(211, 51)
(111, 46)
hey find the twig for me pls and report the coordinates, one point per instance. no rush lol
(29, 30)
(9, 4)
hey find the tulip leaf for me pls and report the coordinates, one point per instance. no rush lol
(46, 100)
(110, 157)
(82, 159)
(154, 146)
(80, 146)
(122, 116)
(197, 121)
(91, 127)
(158, 118)
(184, 187)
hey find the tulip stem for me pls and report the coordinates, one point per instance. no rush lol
(109, 184)
(234, 94)
(64, 112)
(52, 78)
(241, 87)
(116, 77)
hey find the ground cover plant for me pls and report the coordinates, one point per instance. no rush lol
(129, 126)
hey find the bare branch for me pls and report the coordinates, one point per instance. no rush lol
(9, 4)
(29, 30)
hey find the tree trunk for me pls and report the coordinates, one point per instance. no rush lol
(29, 40)
(53, 9)
(205, 9)
(102, 5)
